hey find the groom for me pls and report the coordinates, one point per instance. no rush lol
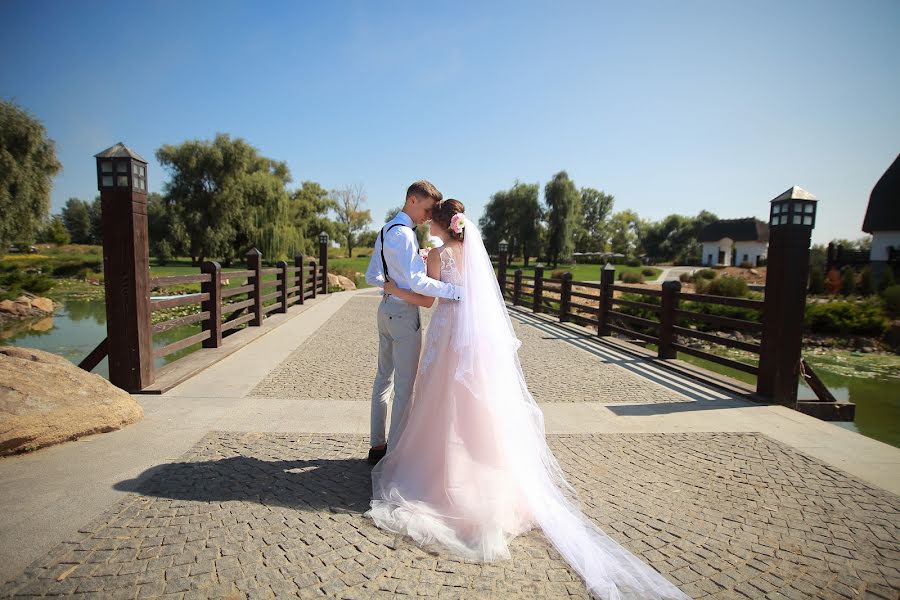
(396, 256)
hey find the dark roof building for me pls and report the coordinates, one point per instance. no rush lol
(739, 230)
(883, 213)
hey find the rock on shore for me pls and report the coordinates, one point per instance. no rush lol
(45, 400)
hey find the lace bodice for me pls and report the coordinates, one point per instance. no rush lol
(450, 265)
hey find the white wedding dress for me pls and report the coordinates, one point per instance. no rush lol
(471, 469)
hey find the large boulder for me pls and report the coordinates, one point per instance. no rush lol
(340, 281)
(27, 305)
(45, 400)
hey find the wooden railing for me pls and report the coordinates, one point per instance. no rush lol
(222, 310)
(247, 303)
(654, 316)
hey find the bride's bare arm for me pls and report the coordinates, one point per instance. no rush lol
(433, 268)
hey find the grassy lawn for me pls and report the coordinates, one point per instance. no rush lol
(584, 272)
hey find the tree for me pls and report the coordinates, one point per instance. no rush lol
(350, 216)
(94, 211)
(57, 232)
(76, 217)
(228, 198)
(168, 237)
(626, 229)
(310, 204)
(592, 234)
(563, 202)
(27, 166)
(514, 215)
(423, 231)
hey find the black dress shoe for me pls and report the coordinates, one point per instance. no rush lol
(376, 455)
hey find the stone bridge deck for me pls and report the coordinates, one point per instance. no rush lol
(248, 481)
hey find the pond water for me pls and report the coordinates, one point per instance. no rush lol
(76, 329)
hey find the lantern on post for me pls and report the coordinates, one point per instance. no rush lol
(503, 246)
(122, 181)
(323, 260)
(792, 216)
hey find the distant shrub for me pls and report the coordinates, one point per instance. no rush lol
(816, 281)
(705, 274)
(833, 282)
(685, 278)
(891, 297)
(866, 284)
(633, 262)
(631, 277)
(848, 281)
(746, 265)
(726, 285)
(648, 272)
(701, 285)
(846, 318)
(557, 274)
(887, 280)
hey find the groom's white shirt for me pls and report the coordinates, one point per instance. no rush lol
(405, 267)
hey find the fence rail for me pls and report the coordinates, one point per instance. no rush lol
(655, 316)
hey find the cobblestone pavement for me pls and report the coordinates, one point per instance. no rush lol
(339, 362)
(260, 515)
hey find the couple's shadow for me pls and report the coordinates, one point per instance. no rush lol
(340, 485)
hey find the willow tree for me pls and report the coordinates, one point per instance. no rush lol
(563, 208)
(228, 198)
(27, 166)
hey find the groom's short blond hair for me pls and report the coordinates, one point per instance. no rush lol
(424, 189)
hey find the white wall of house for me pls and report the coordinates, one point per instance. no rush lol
(880, 242)
(711, 252)
(750, 252)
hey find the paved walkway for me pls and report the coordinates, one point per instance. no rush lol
(248, 482)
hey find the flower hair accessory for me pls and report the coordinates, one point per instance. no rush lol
(458, 223)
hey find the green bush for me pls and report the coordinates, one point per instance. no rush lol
(648, 272)
(816, 281)
(685, 278)
(701, 285)
(734, 287)
(891, 297)
(16, 281)
(631, 277)
(705, 274)
(887, 279)
(735, 312)
(866, 283)
(848, 281)
(846, 318)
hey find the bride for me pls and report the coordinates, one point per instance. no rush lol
(471, 469)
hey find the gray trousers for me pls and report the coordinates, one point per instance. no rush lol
(399, 345)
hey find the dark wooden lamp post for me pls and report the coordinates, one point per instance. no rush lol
(503, 246)
(323, 260)
(792, 216)
(122, 181)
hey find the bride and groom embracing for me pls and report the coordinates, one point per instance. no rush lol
(466, 467)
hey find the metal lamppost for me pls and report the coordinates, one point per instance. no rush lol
(323, 260)
(122, 181)
(792, 216)
(503, 246)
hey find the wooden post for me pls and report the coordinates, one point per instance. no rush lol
(314, 270)
(517, 288)
(785, 301)
(323, 261)
(670, 291)
(283, 277)
(565, 297)
(122, 181)
(538, 288)
(607, 279)
(254, 263)
(301, 278)
(213, 287)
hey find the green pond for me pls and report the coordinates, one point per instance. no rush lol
(76, 329)
(871, 381)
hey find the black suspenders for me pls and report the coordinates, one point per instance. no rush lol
(384, 262)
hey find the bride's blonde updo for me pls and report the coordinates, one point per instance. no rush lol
(444, 212)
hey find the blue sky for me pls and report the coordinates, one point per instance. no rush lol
(672, 107)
